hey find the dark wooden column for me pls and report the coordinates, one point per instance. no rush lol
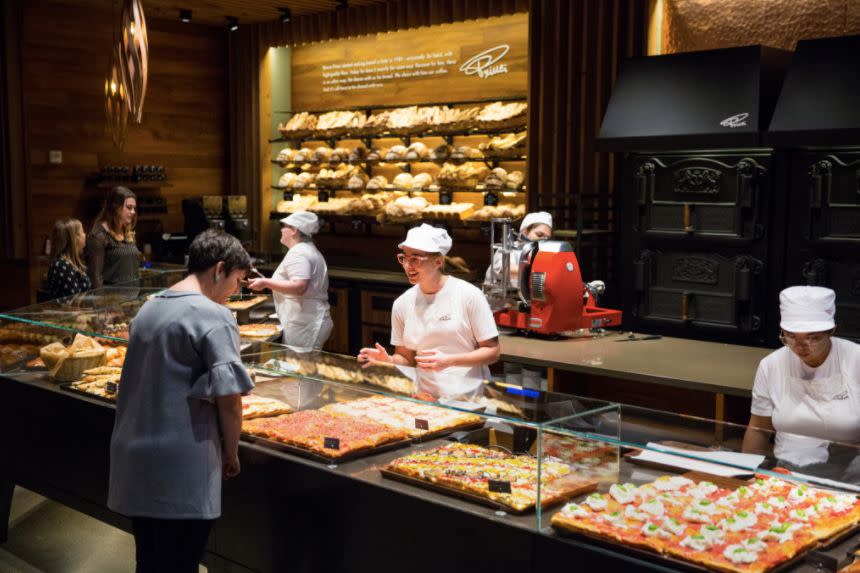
(575, 47)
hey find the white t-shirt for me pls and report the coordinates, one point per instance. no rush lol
(453, 321)
(304, 262)
(785, 391)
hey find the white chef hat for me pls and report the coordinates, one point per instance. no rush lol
(305, 221)
(807, 309)
(428, 239)
(534, 218)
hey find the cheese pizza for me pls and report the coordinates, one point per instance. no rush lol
(749, 530)
(254, 406)
(416, 418)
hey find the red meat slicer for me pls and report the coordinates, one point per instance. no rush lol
(546, 295)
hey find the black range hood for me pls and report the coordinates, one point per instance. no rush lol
(820, 100)
(696, 100)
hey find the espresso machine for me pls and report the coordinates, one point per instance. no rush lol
(236, 219)
(546, 295)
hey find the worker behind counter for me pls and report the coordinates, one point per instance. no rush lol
(535, 227)
(442, 325)
(808, 392)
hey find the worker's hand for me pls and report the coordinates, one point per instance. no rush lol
(258, 284)
(230, 466)
(377, 354)
(433, 360)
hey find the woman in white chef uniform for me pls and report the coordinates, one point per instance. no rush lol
(300, 285)
(534, 227)
(442, 325)
(808, 392)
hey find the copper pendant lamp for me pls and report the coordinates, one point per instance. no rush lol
(116, 99)
(134, 62)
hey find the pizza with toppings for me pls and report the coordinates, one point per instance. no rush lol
(416, 418)
(507, 479)
(254, 406)
(752, 529)
(323, 433)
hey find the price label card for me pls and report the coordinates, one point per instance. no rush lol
(499, 486)
(445, 197)
(322, 196)
(491, 199)
(288, 195)
(485, 229)
(111, 388)
(357, 224)
(421, 424)
(331, 443)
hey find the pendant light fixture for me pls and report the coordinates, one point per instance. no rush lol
(116, 100)
(134, 64)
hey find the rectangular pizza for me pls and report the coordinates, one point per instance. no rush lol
(323, 433)
(416, 418)
(508, 479)
(254, 406)
(752, 529)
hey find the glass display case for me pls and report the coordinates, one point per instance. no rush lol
(638, 482)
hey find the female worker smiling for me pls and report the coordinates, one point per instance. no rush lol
(443, 325)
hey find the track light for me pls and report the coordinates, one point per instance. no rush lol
(286, 15)
(184, 15)
(233, 23)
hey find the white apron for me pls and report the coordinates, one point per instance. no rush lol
(826, 406)
(307, 323)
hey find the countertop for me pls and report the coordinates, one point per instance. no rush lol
(691, 364)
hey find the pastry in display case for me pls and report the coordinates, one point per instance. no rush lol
(259, 330)
(254, 406)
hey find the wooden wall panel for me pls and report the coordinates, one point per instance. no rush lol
(574, 51)
(184, 122)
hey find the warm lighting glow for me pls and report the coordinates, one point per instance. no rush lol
(134, 63)
(116, 104)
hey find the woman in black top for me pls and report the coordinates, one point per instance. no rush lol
(67, 274)
(112, 256)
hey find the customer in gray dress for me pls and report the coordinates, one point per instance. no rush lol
(179, 410)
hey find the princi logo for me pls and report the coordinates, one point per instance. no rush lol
(484, 64)
(738, 120)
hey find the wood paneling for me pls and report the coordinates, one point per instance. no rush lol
(574, 52)
(184, 125)
(384, 63)
(214, 12)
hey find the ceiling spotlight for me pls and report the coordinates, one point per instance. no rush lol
(342, 4)
(184, 15)
(286, 15)
(233, 23)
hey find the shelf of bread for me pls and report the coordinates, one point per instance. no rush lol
(508, 148)
(406, 121)
(460, 208)
(467, 176)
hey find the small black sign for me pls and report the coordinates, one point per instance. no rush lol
(357, 224)
(111, 388)
(499, 486)
(445, 197)
(421, 424)
(823, 562)
(322, 196)
(485, 229)
(288, 195)
(491, 198)
(331, 443)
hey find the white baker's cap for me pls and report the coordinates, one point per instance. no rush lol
(533, 218)
(305, 221)
(807, 309)
(428, 239)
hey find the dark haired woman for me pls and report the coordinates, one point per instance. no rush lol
(112, 256)
(67, 274)
(179, 410)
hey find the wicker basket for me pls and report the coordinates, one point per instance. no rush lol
(73, 368)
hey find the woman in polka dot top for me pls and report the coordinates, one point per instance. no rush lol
(67, 274)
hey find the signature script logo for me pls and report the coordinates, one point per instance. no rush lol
(738, 120)
(485, 65)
